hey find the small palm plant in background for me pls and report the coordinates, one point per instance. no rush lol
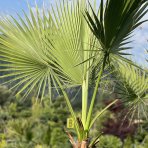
(69, 46)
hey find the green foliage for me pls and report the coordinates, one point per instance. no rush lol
(109, 142)
(58, 139)
(129, 143)
(6, 96)
(42, 126)
(112, 142)
(3, 142)
(20, 130)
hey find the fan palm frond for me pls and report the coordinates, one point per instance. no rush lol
(35, 51)
(115, 23)
(44, 51)
(132, 86)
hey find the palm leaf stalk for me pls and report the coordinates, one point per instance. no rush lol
(63, 47)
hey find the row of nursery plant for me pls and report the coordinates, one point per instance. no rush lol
(30, 124)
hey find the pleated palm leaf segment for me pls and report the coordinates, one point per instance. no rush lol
(133, 88)
(39, 48)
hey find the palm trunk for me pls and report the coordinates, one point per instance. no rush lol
(83, 144)
(77, 144)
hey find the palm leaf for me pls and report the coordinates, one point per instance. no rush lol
(40, 52)
(132, 86)
(40, 47)
(116, 22)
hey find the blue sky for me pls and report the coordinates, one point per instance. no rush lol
(12, 6)
(140, 38)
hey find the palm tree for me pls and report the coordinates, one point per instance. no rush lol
(65, 48)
